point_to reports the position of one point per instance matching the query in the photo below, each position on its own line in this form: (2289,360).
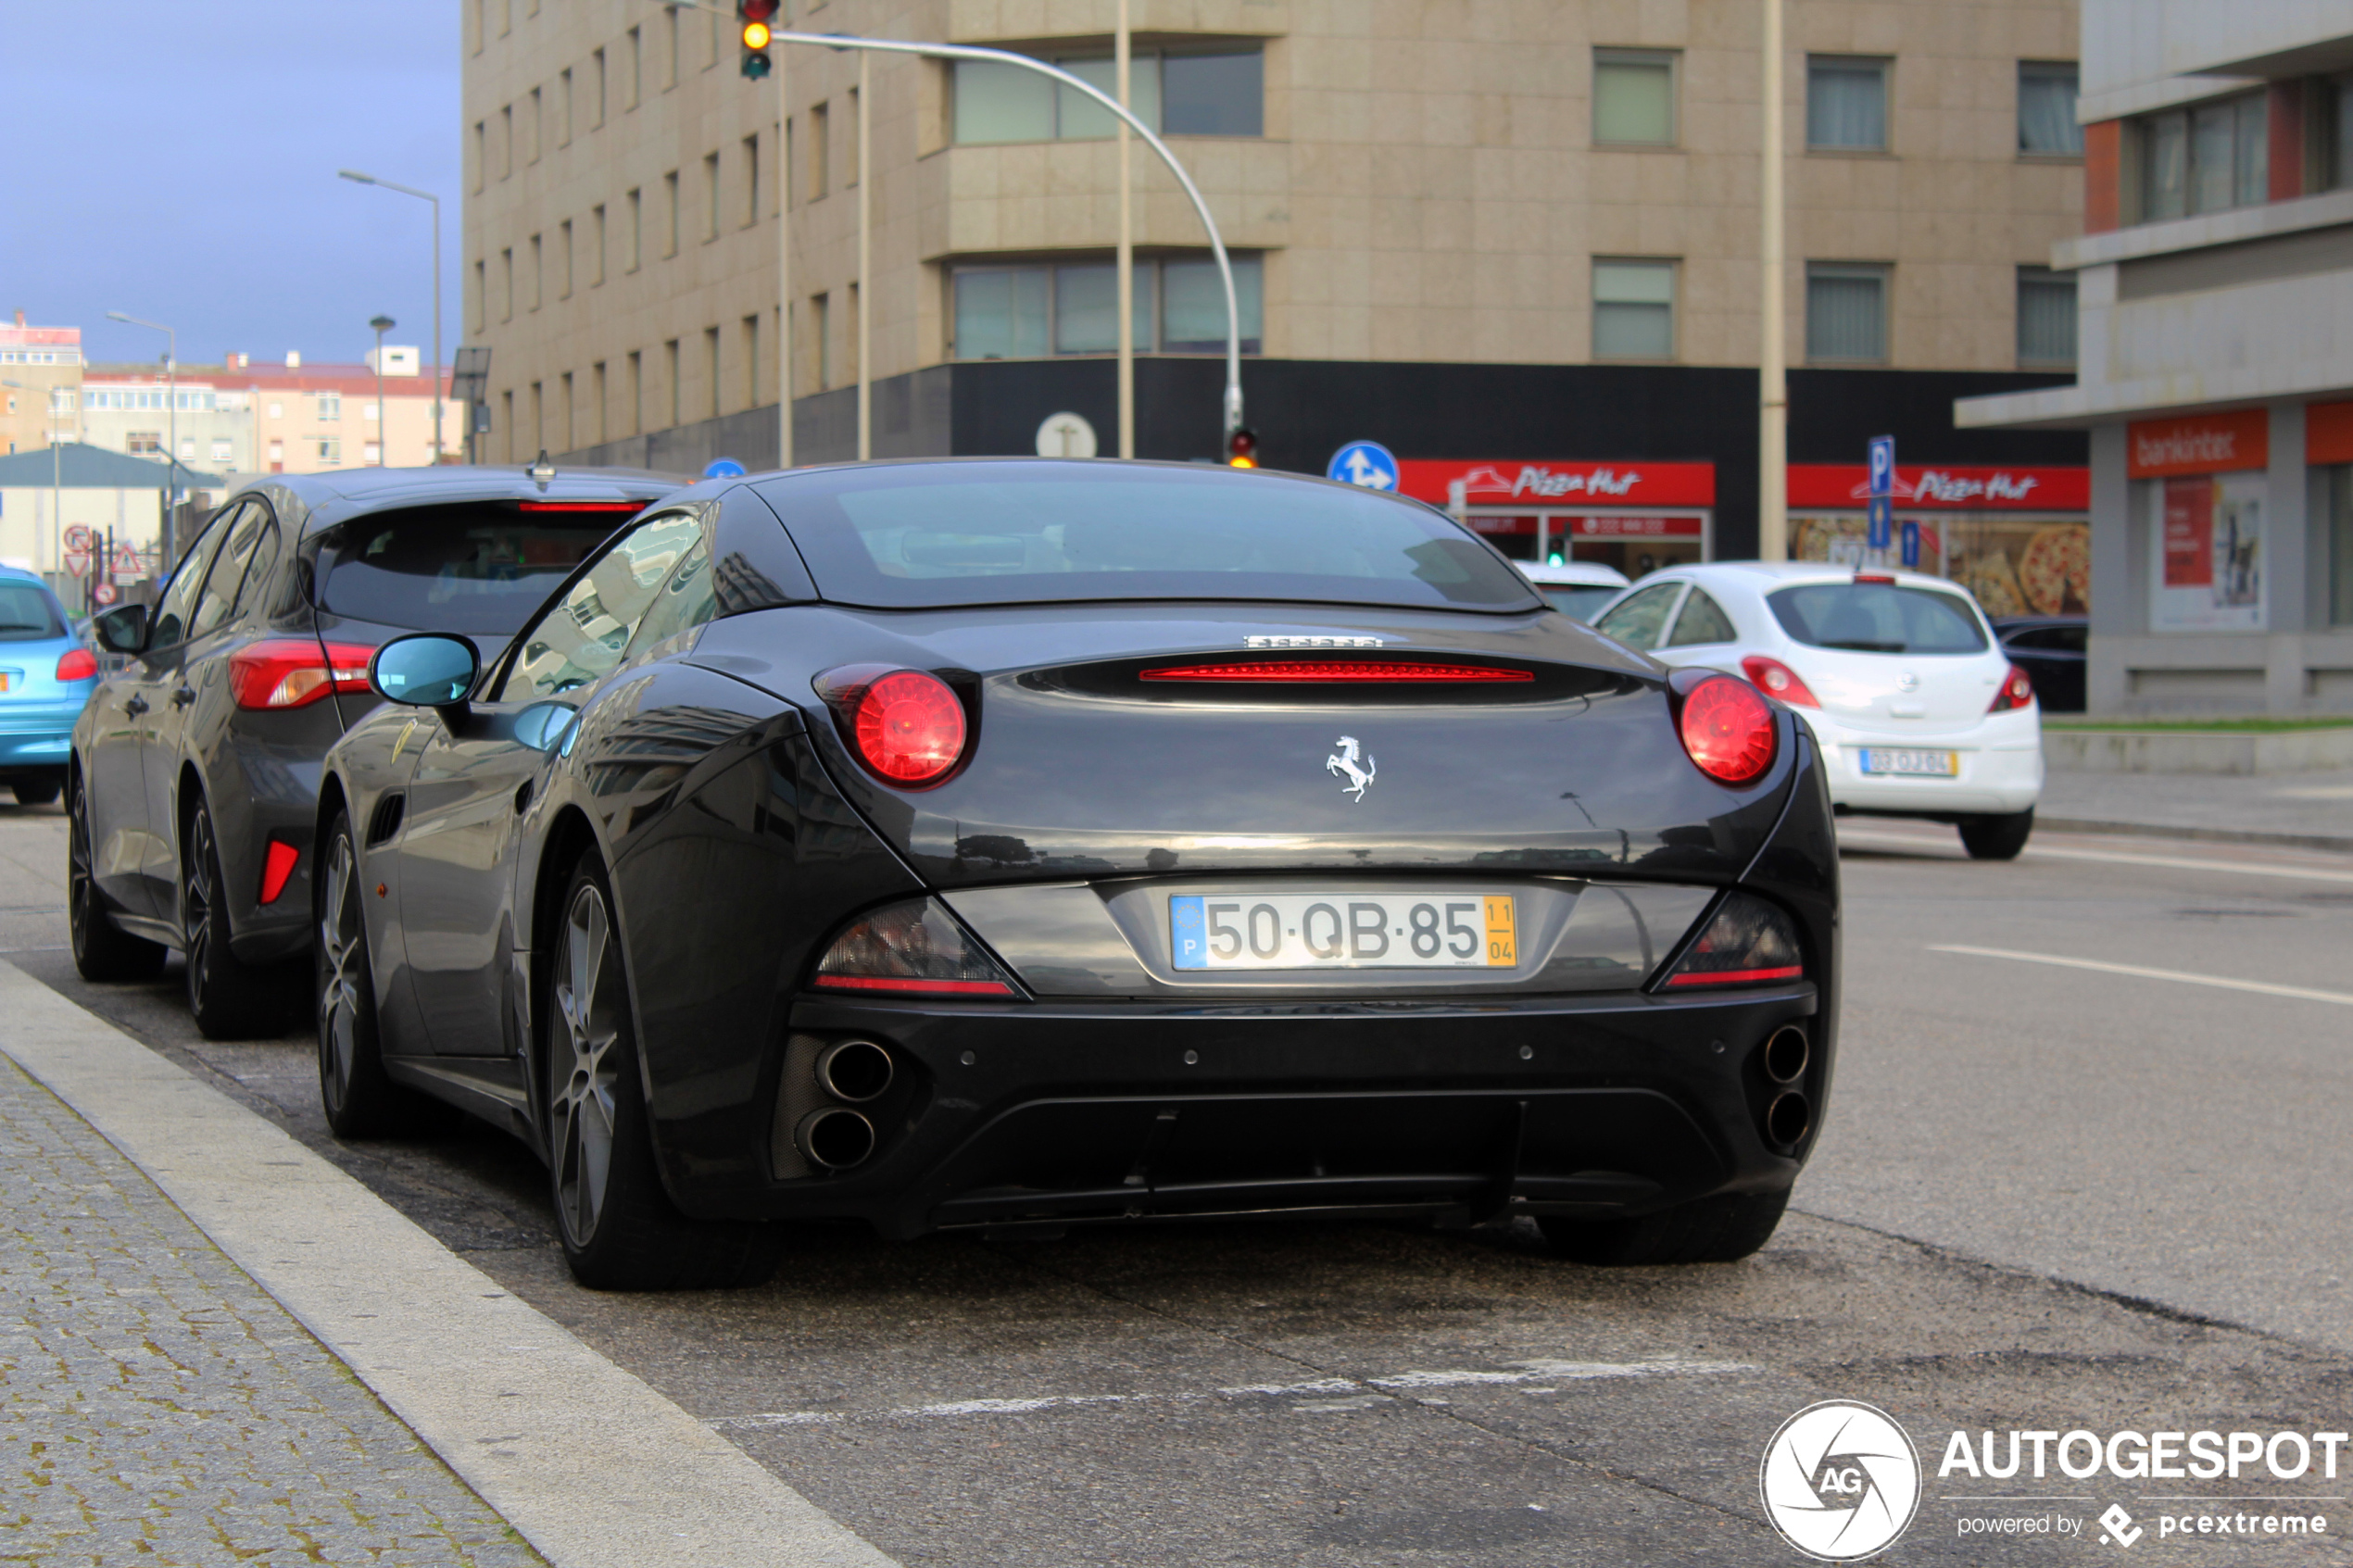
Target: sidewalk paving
(2310,810)
(160,1407)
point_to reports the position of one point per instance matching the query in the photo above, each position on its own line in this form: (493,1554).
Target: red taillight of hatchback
(1728,729)
(2018,691)
(280,672)
(79,664)
(1778,680)
(909,727)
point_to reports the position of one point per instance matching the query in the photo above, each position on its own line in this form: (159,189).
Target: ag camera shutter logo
(1841,1480)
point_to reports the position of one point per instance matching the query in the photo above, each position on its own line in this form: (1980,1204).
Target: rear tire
(361,1101)
(38,790)
(1997,837)
(230,999)
(1707,1230)
(102,952)
(618,1228)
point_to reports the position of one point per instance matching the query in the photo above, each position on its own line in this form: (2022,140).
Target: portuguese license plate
(1313,931)
(1910,760)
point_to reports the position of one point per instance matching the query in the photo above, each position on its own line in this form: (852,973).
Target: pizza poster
(2013,564)
(2209,559)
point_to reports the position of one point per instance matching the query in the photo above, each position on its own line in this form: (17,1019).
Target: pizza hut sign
(1501,482)
(1846,486)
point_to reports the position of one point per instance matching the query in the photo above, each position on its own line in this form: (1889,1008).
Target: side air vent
(386,821)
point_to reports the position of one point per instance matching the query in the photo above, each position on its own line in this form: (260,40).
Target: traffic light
(1241,448)
(755,16)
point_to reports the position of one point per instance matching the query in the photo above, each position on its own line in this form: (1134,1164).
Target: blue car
(46,674)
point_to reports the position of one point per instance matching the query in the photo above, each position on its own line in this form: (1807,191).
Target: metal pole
(172,417)
(783,268)
(1160,149)
(357,178)
(1122,54)
(1772,413)
(866,261)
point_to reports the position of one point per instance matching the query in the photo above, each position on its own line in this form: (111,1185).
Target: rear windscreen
(1015,533)
(26,615)
(1576,599)
(479,567)
(1878,617)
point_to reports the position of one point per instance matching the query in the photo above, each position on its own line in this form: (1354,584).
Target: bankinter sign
(2200,444)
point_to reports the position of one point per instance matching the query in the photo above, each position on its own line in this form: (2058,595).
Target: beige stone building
(1485,232)
(44,366)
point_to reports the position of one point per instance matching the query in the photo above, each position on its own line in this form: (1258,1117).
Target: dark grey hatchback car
(194,780)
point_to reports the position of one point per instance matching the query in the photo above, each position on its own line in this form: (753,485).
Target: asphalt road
(2049,1197)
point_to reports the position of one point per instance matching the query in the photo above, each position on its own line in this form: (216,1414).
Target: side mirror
(545,725)
(122,628)
(424,670)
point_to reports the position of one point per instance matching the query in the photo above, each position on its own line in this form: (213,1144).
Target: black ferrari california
(1013,844)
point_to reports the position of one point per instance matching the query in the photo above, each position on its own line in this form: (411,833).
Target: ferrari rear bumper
(1060,1113)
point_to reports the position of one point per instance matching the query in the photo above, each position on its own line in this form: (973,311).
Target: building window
(1846,313)
(597,89)
(277,455)
(634,240)
(2045,318)
(596,245)
(2336,102)
(1031,312)
(850,155)
(677,399)
(2340,524)
(633,68)
(223,450)
(636,391)
(371,453)
(538,126)
(143,443)
(331,452)
(563,234)
(821,313)
(751,361)
(538,274)
(507,284)
(1219,93)
(481,154)
(330,408)
(820,160)
(670,214)
(711,366)
(563,107)
(1845,104)
(710,197)
(2206,158)
(1633,309)
(670,49)
(2047,125)
(1633,97)
(506,140)
(751,181)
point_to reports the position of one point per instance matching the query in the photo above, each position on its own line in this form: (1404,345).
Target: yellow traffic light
(756,35)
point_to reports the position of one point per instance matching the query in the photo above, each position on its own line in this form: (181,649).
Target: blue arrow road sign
(1367,463)
(1883,519)
(1911,545)
(723,468)
(1882,465)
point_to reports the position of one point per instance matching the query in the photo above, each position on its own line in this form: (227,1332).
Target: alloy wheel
(587,999)
(196,897)
(341,939)
(81,906)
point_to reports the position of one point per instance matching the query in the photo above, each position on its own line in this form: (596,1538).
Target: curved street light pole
(171,399)
(358,179)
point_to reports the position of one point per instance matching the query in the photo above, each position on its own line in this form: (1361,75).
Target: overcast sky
(178,161)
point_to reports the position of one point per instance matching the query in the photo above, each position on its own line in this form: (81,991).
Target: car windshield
(1019,533)
(477,567)
(25,614)
(1878,617)
(1577,599)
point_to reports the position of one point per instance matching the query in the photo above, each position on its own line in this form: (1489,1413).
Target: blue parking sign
(1367,463)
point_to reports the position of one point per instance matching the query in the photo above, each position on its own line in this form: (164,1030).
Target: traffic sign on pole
(1882,520)
(1911,545)
(1882,464)
(1366,463)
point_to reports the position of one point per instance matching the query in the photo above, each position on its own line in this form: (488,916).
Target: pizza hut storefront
(2017,538)
(1636,517)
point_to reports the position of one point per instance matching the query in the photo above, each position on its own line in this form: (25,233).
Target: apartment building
(2215,298)
(44,364)
(240,417)
(1518,243)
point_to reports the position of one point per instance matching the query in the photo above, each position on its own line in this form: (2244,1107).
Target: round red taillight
(910,727)
(79,664)
(1728,728)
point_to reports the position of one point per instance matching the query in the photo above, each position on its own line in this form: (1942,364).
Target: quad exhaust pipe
(834,1139)
(1790,1115)
(854,1070)
(1786,1054)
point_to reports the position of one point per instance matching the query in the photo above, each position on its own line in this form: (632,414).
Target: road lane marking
(1367,1390)
(2109,856)
(2261,987)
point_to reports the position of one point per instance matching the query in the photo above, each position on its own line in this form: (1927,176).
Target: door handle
(184,696)
(135,706)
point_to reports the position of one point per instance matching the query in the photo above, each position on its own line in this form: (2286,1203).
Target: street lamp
(357,178)
(171,400)
(384,324)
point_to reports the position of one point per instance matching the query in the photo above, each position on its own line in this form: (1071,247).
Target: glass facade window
(1030,312)
(2047,125)
(2045,317)
(1846,313)
(1846,103)
(1633,97)
(2206,158)
(1633,309)
(1180,94)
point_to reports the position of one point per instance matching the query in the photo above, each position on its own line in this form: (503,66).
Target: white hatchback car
(1917,710)
(1576,589)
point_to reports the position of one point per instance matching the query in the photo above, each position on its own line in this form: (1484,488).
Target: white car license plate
(1311,931)
(1907,760)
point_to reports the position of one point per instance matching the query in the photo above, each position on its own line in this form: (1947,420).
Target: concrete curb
(593,1467)
(2204,835)
(2211,751)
